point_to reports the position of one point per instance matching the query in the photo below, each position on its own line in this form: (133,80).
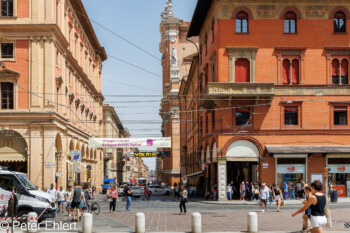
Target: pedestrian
(302,187)
(299,190)
(263,196)
(76,198)
(277,196)
(149,193)
(127,194)
(61,197)
(87,195)
(229,191)
(183,201)
(285,190)
(307,214)
(68,200)
(53,192)
(145,192)
(93,191)
(292,191)
(253,190)
(242,190)
(270,194)
(112,198)
(176,193)
(256,192)
(317,203)
(215,191)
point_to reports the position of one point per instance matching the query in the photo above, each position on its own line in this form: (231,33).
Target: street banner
(75,155)
(152,154)
(129,142)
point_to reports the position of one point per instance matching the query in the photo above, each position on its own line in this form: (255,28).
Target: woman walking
(113,198)
(68,200)
(307,214)
(242,190)
(317,203)
(183,194)
(277,196)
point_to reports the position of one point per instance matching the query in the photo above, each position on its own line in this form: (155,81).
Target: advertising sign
(129,142)
(75,155)
(76,167)
(341,190)
(318,177)
(339,168)
(291,168)
(152,154)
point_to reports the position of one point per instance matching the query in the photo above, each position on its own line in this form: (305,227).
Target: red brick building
(271,95)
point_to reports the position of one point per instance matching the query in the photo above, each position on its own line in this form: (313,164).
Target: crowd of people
(75,198)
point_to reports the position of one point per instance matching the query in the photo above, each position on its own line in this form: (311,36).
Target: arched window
(295,71)
(242,71)
(290,22)
(291,71)
(344,71)
(339,22)
(242,22)
(286,71)
(335,71)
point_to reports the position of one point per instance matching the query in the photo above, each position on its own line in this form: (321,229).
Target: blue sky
(138,22)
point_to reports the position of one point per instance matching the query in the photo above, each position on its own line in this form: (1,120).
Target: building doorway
(239,172)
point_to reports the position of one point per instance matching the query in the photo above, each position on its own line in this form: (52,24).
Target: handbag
(283,203)
(110,199)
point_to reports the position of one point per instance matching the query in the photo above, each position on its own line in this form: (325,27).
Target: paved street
(162,215)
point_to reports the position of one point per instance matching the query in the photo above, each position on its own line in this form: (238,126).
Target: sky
(136,21)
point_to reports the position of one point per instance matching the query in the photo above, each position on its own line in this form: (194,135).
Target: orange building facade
(51,91)
(270,99)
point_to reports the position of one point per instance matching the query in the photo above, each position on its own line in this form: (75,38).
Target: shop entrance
(237,172)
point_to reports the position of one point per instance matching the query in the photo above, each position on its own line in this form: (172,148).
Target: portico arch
(13,151)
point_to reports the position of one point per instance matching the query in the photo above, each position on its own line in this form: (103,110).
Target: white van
(28,197)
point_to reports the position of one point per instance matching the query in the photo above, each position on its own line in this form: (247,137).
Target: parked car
(159,190)
(137,191)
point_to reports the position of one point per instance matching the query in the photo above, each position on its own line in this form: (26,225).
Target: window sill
(340,33)
(242,33)
(291,127)
(290,33)
(7,59)
(8,17)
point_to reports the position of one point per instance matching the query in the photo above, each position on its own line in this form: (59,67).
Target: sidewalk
(342,200)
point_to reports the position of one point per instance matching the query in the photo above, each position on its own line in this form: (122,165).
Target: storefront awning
(12,157)
(307,149)
(200,173)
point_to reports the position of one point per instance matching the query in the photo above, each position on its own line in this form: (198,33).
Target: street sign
(152,154)
(75,155)
(76,167)
(48,165)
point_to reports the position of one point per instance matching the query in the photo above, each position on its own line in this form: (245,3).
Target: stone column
(222,179)
(49,137)
(35,165)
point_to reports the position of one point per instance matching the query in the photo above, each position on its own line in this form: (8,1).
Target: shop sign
(292,168)
(339,168)
(265,165)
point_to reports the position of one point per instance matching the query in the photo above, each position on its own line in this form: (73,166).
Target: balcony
(239,90)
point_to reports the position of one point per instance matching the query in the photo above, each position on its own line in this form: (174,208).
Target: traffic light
(88,171)
(326,172)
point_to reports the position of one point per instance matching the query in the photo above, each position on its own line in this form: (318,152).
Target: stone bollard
(140,223)
(32,222)
(252,223)
(196,223)
(87,223)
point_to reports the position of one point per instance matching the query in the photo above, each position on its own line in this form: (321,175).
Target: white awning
(12,157)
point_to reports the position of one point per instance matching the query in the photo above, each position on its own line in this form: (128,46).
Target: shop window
(290,22)
(291,69)
(242,22)
(7,96)
(339,22)
(242,70)
(340,71)
(291,115)
(340,115)
(242,116)
(7,50)
(6,7)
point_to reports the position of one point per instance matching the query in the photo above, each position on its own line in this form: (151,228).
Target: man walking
(264,195)
(127,194)
(61,197)
(53,192)
(76,198)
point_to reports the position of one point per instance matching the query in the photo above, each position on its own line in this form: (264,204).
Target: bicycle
(93,207)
